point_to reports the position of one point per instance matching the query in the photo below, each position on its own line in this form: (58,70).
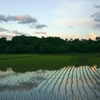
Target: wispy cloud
(8,36)
(12,32)
(3,29)
(97,6)
(97,26)
(19,33)
(40,33)
(86,23)
(96,17)
(40,26)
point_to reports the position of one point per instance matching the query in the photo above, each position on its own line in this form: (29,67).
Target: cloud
(21,19)
(97,6)
(40,26)
(15,31)
(2,18)
(5,35)
(71,27)
(8,36)
(92,36)
(96,17)
(97,26)
(69,36)
(40,33)
(12,34)
(87,22)
(3,30)
(19,33)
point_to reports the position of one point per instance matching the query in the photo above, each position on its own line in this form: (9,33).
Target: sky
(60,18)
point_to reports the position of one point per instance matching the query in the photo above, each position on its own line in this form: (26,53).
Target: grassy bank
(30,62)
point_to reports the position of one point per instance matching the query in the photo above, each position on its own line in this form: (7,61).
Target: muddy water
(82,83)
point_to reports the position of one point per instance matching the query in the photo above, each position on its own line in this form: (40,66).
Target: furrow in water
(72,83)
(59,87)
(62,87)
(93,75)
(96,69)
(58,79)
(85,90)
(96,72)
(47,85)
(52,74)
(91,83)
(45,77)
(77,83)
(97,83)
(69,70)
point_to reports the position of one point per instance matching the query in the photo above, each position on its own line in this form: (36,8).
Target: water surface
(81,83)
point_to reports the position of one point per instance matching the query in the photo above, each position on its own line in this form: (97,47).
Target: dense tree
(24,44)
(98,38)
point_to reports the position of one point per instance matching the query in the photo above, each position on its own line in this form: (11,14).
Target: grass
(30,62)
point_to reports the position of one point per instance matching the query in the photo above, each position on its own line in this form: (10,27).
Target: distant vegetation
(29,45)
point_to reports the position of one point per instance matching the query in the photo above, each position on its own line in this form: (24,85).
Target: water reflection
(82,83)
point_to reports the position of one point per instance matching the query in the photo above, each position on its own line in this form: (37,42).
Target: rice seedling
(33,62)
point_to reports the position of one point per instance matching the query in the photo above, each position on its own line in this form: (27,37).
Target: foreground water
(82,83)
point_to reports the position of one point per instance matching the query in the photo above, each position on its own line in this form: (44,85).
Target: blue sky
(61,18)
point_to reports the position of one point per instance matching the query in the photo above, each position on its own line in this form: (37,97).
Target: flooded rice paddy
(71,83)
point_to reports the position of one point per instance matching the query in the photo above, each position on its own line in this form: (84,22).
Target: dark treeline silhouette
(28,45)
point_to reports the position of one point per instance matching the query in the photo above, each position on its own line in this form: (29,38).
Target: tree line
(31,44)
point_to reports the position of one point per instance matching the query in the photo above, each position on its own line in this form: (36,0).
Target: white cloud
(74,8)
(92,36)
(73,36)
(86,23)
(68,36)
